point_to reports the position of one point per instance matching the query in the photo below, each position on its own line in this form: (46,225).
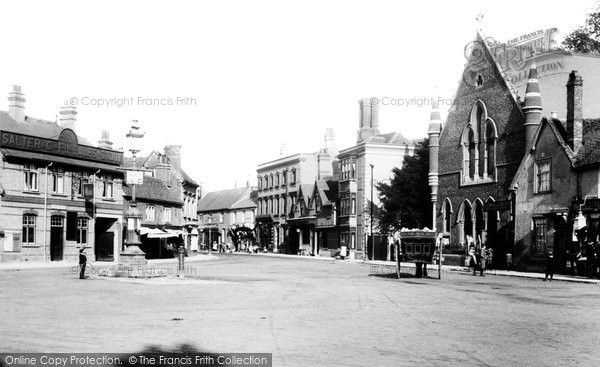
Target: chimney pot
(16,104)
(68,117)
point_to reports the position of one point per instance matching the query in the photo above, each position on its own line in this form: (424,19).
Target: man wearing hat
(82,262)
(549,266)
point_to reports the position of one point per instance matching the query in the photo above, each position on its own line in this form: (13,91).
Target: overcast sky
(254,74)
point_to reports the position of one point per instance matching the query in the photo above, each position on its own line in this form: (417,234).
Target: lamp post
(46,212)
(133,256)
(372,239)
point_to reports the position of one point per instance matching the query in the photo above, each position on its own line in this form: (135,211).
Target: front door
(56,238)
(105,246)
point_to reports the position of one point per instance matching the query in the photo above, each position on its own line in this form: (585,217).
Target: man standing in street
(82,263)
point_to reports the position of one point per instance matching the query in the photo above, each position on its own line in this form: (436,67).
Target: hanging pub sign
(496,206)
(88,191)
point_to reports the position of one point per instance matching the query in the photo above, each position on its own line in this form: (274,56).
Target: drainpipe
(46,212)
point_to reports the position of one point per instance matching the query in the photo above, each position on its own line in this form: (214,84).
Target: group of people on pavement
(480,257)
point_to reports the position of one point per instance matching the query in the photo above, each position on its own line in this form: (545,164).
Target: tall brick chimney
(162,170)
(174,154)
(575,111)
(68,117)
(369,119)
(16,104)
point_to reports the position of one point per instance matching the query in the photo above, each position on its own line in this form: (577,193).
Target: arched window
(479,218)
(478,141)
(465,221)
(447,216)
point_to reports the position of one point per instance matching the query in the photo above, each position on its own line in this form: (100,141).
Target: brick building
(505,176)
(278,186)
(167,200)
(58,192)
(557,185)
(223,211)
(480,148)
(382,152)
(313,219)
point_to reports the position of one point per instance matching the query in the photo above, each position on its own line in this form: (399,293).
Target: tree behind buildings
(585,39)
(406,199)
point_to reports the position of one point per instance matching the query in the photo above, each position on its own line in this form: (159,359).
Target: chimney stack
(104,141)
(16,104)
(283,149)
(369,119)
(174,154)
(163,169)
(575,111)
(68,117)
(329,140)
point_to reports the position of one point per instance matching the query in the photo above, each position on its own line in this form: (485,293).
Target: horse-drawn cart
(417,246)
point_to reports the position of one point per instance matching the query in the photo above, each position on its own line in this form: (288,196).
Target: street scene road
(316,313)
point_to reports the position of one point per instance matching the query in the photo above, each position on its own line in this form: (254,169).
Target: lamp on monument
(133,254)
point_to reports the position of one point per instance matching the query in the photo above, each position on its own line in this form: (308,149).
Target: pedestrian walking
(473,260)
(549,266)
(82,263)
(482,260)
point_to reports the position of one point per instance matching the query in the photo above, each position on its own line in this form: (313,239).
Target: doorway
(56,237)
(105,239)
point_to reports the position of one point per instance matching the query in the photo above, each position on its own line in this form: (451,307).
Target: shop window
(28,237)
(31,177)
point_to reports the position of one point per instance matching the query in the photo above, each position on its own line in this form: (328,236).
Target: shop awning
(156,233)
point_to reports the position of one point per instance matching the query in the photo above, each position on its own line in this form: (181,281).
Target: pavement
(445,268)
(376,263)
(316,313)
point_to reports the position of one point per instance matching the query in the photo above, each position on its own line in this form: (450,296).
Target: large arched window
(478,141)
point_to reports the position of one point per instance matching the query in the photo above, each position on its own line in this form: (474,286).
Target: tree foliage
(585,39)
(406,199)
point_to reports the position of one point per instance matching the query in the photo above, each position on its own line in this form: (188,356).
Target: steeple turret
(532,105)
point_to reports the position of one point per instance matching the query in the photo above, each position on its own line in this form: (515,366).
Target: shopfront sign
(496,206)
(66,145)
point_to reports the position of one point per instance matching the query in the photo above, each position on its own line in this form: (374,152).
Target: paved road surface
(307,313)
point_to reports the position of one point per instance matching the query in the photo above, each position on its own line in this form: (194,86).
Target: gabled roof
(154,189)
(150,161)
(327,191)
(226,200)
(35,127)
(560,134)
(394,138)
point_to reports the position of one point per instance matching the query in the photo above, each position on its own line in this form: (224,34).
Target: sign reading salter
(66,145)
